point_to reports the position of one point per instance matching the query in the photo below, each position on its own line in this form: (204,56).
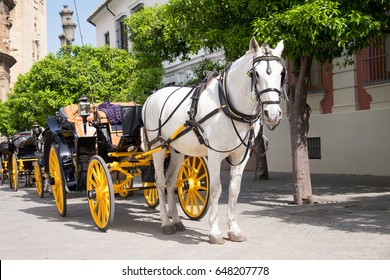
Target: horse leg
(214,166)
(171,175)
(158,162)
(234,232)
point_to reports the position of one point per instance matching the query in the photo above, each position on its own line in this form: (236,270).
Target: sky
(85,8)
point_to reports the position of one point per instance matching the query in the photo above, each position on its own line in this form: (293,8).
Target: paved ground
(351,221)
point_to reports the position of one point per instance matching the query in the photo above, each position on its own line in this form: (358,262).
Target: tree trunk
(259,150)
(299,127)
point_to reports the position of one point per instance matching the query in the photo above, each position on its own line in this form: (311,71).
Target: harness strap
(194,104)
(160,125)
(197,128)
(228,107)
(268,90)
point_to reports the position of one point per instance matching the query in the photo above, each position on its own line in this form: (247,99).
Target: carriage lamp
(35,129)
(84,109)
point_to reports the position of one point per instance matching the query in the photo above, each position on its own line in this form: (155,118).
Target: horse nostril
(266,114)
(280,114)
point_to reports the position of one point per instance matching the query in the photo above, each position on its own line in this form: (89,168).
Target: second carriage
(18,157)
(96,148)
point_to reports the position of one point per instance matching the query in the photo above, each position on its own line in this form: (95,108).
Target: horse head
(267,76)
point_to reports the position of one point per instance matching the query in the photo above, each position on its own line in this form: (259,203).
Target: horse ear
(279,49)
(253,45)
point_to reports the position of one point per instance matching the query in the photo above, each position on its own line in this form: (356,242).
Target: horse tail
(144,140)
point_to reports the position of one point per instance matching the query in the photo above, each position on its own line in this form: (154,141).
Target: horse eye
(257,74)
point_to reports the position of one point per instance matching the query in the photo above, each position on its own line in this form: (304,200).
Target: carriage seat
(72,114)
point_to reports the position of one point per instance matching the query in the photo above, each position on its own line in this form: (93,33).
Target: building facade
(7,60)
(350,120)
(110,30)
(28,35)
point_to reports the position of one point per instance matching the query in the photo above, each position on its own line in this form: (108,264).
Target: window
(314,147)
(137,8)
(376,63)
(316,82)
(121,34)
(107,38)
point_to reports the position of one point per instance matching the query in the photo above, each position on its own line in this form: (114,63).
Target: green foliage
(183,27)
(323,29)
(59,80)
(205,67)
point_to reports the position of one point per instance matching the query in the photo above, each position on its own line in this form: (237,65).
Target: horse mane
(206,80)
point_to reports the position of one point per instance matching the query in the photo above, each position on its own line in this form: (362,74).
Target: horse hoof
(167,230)
(179,226)
(236,237)
(216,239)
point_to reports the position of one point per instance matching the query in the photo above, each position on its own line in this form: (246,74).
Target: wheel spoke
(199,178)
(200,197)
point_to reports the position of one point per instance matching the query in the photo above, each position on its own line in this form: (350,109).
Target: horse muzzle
(272,115)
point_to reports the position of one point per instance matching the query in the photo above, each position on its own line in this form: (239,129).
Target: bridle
(254,79)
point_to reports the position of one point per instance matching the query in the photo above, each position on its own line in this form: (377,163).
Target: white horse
(226,120)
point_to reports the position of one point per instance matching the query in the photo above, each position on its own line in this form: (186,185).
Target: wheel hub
(91,194)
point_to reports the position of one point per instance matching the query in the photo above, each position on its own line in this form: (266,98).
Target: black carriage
(19,157)
(96,148)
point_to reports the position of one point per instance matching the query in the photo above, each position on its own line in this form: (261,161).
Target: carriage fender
(57,137)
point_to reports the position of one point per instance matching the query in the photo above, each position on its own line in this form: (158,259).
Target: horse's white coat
(219,131)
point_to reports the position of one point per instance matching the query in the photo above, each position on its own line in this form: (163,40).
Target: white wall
(105,20)
(355,142)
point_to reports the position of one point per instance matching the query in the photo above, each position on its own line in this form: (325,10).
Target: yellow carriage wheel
(38,179)
(100,192)
(57,180)
(14,176)
(151,194)
(193,187)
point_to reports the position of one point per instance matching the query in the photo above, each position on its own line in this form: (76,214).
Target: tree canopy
(58,80)
(323,29)
(183,27)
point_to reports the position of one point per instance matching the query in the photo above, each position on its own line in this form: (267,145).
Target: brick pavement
(350,221)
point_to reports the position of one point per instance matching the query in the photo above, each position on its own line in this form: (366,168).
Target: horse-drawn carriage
(101,154)
(18,157)
(96,148)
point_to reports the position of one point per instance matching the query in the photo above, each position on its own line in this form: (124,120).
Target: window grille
(376,63)
(314,147)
